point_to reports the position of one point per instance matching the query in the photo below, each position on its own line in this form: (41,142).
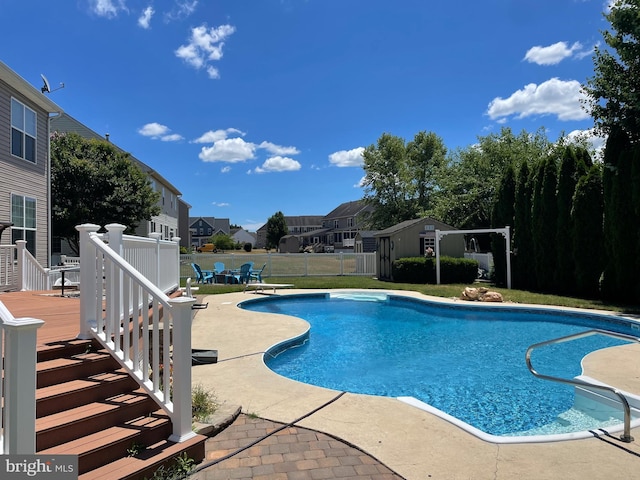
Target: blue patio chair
(257,274)
(218,267)
(244,274)
(203,276)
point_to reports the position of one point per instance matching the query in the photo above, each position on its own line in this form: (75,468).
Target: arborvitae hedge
(522,267)
(423,270)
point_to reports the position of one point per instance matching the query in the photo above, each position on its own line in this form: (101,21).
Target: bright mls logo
(54,467)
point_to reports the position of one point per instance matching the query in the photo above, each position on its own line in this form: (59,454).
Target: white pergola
(502,231)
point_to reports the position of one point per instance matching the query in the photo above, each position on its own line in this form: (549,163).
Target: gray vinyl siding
(21,177)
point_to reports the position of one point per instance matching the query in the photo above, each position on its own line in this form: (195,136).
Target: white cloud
(360,183)
(597,142)
(231,150)
(220,204)
(213,136)
(182,9)
(174,137)
(278,150)
(279,164)
(554,54)
(205,46)
(158,131)
(144,20)
(347,158)
(553,97)
(107,8)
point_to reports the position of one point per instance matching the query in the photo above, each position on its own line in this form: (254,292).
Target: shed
(289,244)
(412,238)
(365,242)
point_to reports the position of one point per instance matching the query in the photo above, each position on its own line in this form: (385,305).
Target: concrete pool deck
(413,443)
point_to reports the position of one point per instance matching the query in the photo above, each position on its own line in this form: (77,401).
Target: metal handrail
(626,436)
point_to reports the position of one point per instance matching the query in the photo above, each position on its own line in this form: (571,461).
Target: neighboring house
(341,225)
(183,223)
(203,228)
(296,225)
(25,164)
(412,238)
(166,222)
(241,236)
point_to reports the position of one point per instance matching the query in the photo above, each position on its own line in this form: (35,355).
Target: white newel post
(182,318)
(20,386)
(115,231)
(177,240)
(90,287)
(157,236)
(21,246)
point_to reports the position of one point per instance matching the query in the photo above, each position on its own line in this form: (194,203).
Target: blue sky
(257,106)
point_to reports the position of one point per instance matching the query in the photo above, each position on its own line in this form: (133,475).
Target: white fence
(485,260)
(286,264)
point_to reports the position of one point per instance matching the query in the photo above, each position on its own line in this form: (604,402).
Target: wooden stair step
(62,396)
(114,442)
(83,420)
(59,349)
(70,368)
(143,465)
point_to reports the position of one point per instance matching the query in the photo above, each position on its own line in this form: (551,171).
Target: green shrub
(248,247)
(423,270)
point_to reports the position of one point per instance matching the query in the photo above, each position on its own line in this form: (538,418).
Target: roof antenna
(46,88)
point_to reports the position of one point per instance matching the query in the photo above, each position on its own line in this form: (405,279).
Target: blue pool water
(466,361)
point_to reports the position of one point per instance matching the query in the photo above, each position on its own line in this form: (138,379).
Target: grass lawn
(447,291)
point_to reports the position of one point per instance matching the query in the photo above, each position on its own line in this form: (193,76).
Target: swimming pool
(464,361)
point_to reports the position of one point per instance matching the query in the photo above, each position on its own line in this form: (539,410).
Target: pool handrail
(626,436)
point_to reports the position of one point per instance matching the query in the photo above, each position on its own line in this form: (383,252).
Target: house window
(336,224)
(350,222)
(23,216)
(23,131)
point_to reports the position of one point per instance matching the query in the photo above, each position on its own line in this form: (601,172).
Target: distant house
(166,222)
(240,235)
(340,226)
(203,228)
(412,238)
(296,225)
(25,208)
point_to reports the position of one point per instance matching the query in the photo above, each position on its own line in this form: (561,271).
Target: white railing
(31,275)
(8,267)
(158,260)
(17,391)
(146,331)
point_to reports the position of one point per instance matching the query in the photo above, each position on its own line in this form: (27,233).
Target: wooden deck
(60,314)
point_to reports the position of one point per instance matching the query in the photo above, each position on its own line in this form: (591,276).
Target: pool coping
(408,440)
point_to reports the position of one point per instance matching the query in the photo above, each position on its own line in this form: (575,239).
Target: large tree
(276,229)
(92,181)
(387,182)
(469,181)
(612,93)
(425,156)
